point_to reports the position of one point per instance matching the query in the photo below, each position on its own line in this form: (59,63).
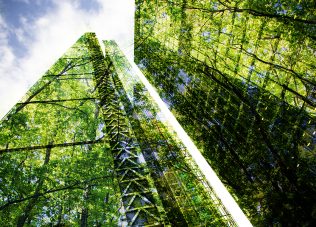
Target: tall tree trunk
(27,210)
(85,211)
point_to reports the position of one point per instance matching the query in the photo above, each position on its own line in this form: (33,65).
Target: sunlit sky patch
(35,33)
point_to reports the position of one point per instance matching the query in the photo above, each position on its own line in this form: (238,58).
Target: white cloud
(7,63)
(51,35)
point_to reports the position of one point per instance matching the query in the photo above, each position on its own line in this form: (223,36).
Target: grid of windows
(240,78)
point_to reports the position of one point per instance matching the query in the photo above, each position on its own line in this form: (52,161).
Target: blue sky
(35,33)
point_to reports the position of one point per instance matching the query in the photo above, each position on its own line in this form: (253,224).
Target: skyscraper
(240,78)
(89,146)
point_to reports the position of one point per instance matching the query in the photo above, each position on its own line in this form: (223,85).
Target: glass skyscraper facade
(88,146)
(240,78)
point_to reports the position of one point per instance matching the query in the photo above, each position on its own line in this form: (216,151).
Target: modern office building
(240,78)
(89,146)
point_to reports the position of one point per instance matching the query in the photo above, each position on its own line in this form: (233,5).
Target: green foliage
(55,169)
(182,188)
(242,85)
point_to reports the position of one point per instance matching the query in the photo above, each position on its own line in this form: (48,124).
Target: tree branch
(76,185)
(50,146)
(54,101)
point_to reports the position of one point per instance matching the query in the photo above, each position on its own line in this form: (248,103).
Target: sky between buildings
(35,33)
